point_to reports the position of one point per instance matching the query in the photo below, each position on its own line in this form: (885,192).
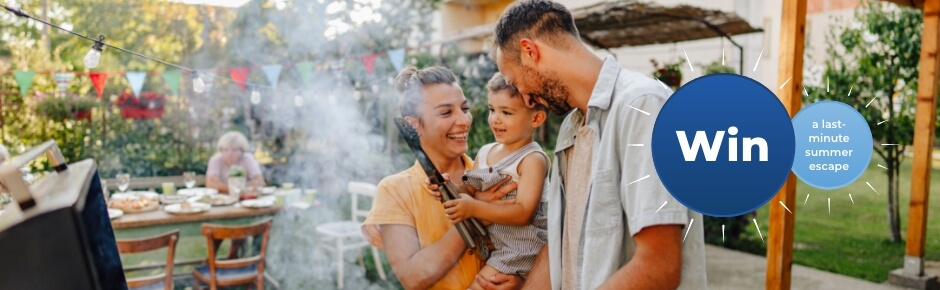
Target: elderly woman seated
(233,150)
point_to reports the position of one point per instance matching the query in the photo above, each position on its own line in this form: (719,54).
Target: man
(612,224)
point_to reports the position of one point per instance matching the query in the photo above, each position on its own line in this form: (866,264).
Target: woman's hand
(460,209)
(435,188)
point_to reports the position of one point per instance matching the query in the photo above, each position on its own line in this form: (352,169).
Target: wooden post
(924,123)
(780,237)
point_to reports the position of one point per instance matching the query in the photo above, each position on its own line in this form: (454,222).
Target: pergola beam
(912,274)
(780,237)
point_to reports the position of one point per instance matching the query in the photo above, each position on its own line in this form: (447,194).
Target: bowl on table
(173,198)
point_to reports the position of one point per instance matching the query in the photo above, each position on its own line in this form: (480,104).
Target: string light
(198,85)
(255,97)
(92,58)
(94,54)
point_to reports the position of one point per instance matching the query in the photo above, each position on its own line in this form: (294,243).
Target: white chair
(339,237)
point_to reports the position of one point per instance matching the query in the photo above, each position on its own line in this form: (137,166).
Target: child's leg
(486,273)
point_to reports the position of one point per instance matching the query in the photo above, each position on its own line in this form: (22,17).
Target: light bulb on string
(298,101)
(255,97)
(198,85)
(94,54)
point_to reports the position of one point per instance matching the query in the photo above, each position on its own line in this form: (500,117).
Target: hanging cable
(90,58)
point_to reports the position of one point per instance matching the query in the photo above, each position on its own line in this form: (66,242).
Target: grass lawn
(854,239)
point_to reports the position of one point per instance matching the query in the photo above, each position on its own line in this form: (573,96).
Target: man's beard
(555,95)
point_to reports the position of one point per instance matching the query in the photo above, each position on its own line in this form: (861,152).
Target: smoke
(319,133)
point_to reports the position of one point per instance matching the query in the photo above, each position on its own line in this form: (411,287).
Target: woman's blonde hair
(233,139)
(411,80)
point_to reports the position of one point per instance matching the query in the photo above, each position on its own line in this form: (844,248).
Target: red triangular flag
(369,62)
(98,79)
(240,75)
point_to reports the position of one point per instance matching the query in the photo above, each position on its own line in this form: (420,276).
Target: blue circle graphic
(723,145)
(833,145)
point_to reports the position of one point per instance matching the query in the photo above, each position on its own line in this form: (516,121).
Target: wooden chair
(160,281)
(240,271)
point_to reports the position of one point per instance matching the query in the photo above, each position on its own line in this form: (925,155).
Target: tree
(872,65)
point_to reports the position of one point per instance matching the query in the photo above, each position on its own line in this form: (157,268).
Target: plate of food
(216,199)
(257,203)
(173,198)
(187,208)
(114,213)
(197,191)
(135,201)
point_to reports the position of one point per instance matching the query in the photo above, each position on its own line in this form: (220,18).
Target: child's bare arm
(532,172)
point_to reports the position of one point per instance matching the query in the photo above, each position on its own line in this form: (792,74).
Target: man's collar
(604,87)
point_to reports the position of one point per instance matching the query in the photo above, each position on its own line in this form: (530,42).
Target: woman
(422,246)
(233,150)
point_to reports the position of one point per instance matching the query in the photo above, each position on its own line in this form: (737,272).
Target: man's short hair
(535,19)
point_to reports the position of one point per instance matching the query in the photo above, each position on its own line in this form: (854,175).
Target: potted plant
(668,73)
(148,105)
(237,178)
(81,108)
(60,109)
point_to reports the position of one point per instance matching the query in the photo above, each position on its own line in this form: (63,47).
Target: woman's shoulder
(215,158)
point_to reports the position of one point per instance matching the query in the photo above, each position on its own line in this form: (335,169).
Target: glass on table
(123,181)
(189,179)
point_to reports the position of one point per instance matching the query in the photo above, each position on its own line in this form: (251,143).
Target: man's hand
(460,209)
(500,282)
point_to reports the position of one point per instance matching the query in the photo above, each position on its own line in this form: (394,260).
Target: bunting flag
(240,75)
(273,72)
(172,79)
(305,69)
(208,77)
(136,79)
(338,64)
(62,80)
(397,56)
(369,62)
(25,80)
(98,79)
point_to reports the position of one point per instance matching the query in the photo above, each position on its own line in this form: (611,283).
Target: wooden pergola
(792,34)
(633,23)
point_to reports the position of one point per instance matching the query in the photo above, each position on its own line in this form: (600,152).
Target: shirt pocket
(604,211)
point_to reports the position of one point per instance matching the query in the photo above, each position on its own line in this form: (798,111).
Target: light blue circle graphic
(833,145)
(723,145)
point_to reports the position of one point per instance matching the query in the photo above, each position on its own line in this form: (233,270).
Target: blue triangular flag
(398,57)
(136,79)
(273,72)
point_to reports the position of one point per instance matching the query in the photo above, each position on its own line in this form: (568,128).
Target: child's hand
(460,209)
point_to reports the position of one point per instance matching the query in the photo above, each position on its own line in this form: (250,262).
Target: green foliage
(715,67)
(60,109)
(872,65)
(237,171)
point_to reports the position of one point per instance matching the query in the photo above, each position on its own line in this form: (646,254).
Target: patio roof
(619,23)
(634,23)
(919,4)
